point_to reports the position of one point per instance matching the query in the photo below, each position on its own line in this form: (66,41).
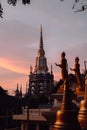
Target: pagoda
(40,80)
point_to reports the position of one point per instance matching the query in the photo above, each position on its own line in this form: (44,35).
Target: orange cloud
(9,64)
(11,84)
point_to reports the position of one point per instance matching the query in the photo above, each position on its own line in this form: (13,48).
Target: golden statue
(63,66)
(76,69)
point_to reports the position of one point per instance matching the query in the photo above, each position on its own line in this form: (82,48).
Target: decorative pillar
(82,115)
(66,117)
(23,125)
(37,126)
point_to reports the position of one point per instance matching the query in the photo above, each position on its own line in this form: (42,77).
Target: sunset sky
(63,30)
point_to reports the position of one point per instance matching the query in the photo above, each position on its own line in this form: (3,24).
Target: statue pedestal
(66,120)
(82,115)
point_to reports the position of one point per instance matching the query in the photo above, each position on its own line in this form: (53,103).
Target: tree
(12,2)
(1,10)
(82,3)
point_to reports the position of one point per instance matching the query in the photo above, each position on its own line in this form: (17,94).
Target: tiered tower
(40,80)
(41,60)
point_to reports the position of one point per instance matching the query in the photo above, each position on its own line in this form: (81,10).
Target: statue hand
(71,69)
(56,64)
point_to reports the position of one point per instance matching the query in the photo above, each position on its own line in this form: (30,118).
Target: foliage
(79,5)
(82,5)
(12,2)
(1,10)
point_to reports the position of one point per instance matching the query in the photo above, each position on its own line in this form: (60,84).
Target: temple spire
(41,38)
(41,61)
(41,51)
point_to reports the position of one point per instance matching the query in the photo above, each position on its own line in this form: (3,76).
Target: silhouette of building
(40,80)
(40,88)
(18,93)
(9,105)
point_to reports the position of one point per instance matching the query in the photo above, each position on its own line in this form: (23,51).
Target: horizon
(63,30)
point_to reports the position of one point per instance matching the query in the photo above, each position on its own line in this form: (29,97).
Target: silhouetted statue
(76,69)
(63,66)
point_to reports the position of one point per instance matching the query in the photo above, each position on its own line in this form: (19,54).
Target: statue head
(63,54)
(77,59)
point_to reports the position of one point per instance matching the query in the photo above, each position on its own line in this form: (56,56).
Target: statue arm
(58,65)
(72,69)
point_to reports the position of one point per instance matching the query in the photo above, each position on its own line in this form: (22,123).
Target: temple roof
(7,100)
(41,60)
(3,91)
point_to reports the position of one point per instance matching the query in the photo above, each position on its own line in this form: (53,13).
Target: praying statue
(76,69)
(63,66)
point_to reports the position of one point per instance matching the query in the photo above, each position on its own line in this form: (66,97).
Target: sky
(63,30)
